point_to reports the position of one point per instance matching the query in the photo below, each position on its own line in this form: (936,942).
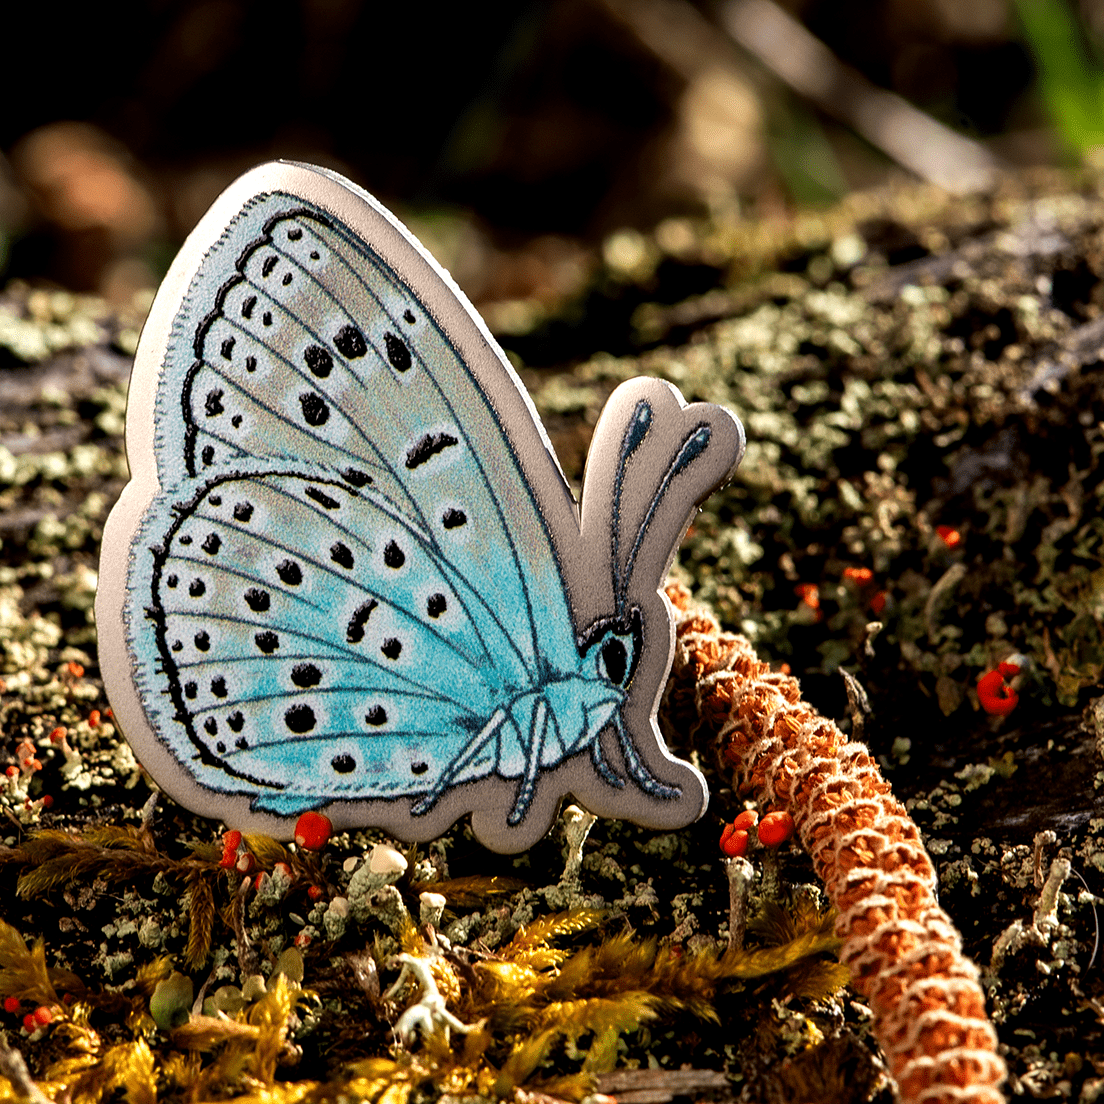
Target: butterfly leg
(488,733)
(538,730)
(640,773)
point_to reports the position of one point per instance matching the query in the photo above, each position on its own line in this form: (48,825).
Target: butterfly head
(613,647)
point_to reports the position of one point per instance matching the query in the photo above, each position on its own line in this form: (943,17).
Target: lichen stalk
(903,951)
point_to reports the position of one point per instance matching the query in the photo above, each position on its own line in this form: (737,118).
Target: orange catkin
(904,953)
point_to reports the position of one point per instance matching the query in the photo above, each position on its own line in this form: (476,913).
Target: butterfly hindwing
(328,656)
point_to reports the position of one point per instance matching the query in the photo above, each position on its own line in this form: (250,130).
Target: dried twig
(904,953)
(913,139)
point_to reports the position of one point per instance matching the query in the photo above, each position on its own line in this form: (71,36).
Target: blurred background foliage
(515,136)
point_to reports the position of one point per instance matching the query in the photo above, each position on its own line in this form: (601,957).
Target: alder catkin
(904,953)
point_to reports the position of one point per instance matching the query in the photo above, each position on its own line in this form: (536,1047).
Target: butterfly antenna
(538,729)
(692,447)
(635,433)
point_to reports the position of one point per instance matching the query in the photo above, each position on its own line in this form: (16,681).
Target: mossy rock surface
(921,384)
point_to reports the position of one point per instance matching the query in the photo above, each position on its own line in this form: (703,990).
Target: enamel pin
(347,573)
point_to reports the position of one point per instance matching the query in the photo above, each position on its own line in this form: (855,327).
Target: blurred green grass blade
(1071,79)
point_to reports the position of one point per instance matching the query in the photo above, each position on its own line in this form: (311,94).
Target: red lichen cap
(809,593)
(231,841)
(734,841)
(313,830)
(746,820)
(775,829)
(12,1004)
(860,576)
(995,697)
(949,535)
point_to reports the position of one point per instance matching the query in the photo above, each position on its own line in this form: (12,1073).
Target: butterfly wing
(288,365)
(347,571)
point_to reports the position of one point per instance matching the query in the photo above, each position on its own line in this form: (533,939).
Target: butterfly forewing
(311,349)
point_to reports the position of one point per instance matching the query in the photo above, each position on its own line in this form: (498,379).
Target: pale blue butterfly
(348,573)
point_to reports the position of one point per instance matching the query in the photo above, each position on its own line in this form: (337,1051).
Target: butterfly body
(348,573)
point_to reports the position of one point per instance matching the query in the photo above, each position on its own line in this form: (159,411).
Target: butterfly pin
(348,574)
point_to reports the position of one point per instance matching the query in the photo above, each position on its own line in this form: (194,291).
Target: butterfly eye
(613,660)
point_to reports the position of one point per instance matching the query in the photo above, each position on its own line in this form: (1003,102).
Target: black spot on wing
(427,447)
(257,600)
(211,544)
(318,360)
(243,511)
(350,343)
(340,554)
(376,716)
(267,641)
(408,315)
(207,456)
(213,403)
(323,499)
(247,307)
(289,572)
(269,264)
(392,648)
(218,686)
(397,352)
(236,721)
(227,348)
(343,764)
(190,690)
(356,477)
(354,631)
(453,519)
(305,675)
(436,605)
(300,718)
(393,555)
(202,641)
(315,411)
